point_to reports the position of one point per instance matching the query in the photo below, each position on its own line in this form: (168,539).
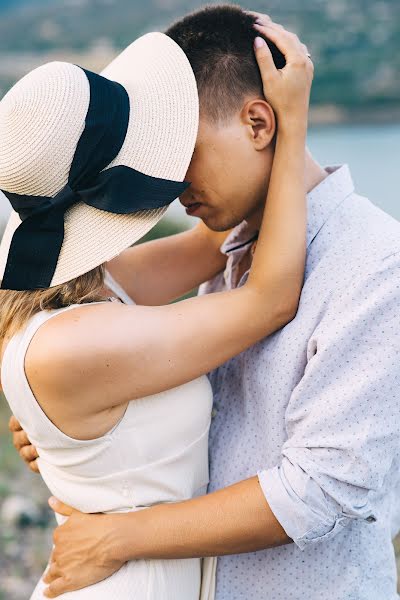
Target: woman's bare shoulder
(67,369)
(70,341)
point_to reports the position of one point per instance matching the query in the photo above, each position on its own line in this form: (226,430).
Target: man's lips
(192,208)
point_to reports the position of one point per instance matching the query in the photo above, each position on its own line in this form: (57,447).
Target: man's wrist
(125,538)
(230,521)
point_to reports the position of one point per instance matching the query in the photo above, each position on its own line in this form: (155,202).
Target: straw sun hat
(90,163)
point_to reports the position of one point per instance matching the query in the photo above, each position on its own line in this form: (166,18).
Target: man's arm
(233,520)
(343,416)
(90,548)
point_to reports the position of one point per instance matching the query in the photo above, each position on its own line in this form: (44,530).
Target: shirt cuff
(306,514)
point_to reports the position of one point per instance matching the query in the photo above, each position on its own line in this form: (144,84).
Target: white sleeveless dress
(157,452)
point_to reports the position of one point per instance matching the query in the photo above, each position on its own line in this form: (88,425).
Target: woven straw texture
(43,117)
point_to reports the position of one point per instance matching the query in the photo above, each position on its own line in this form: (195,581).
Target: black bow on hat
(37,242)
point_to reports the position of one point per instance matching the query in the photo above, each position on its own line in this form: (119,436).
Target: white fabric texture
(157,452)
(315,409)
(116,289)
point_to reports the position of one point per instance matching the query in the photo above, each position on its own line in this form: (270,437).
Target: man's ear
(260,119)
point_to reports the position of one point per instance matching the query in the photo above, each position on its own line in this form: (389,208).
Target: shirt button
(214,413)
(371,519)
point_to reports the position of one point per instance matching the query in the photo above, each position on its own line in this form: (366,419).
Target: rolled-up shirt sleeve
(343,417)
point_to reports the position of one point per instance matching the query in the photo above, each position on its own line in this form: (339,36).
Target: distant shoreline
(15,65)
(336,115)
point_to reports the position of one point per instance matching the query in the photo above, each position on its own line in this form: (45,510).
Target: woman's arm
(115,353)
(158,272)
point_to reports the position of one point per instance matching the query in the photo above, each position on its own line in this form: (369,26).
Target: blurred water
(373,154)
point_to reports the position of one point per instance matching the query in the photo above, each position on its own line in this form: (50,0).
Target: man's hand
(23,445)
(78,557)
(90,548)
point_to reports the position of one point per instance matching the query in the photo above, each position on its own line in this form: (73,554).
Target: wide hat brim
(161,136)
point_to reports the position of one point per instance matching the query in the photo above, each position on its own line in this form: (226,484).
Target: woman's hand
(287,89)
(23,445)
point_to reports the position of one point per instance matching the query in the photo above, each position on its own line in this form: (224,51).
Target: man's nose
(187,194)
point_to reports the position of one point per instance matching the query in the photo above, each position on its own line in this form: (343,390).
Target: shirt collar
(322,201)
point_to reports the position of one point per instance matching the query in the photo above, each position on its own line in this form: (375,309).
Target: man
(307,420)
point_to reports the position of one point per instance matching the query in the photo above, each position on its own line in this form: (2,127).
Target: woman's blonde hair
(16,308)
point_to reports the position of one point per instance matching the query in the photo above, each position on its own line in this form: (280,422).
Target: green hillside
(355,43)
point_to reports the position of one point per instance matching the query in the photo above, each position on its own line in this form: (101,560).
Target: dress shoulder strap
(118,290)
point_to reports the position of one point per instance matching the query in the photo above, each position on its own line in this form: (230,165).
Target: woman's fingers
(288,43)
(288,37)
(20,439)
(264,59)
(28,453)
(279,35)
(259,17)
(265,62)
(34,466)
(265,20)
(14,424)
(287,89)
(23,445)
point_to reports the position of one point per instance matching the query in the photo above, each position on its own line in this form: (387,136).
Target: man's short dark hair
(218,41)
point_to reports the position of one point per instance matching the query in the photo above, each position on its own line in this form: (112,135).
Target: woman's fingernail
(259,42)
(52,501)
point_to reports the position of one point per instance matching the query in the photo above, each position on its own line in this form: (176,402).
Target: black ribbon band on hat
(37,242)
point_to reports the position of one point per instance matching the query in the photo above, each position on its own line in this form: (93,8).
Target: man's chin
(218,225)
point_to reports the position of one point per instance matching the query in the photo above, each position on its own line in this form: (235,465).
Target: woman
(115,397)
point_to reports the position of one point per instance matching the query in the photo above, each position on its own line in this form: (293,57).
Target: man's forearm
(234,520)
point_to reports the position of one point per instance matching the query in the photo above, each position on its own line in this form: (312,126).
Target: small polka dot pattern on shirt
(315,410)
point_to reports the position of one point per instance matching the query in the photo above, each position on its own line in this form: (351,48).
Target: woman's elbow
(287,307)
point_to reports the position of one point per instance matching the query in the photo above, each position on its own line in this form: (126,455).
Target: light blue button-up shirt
(315,410)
